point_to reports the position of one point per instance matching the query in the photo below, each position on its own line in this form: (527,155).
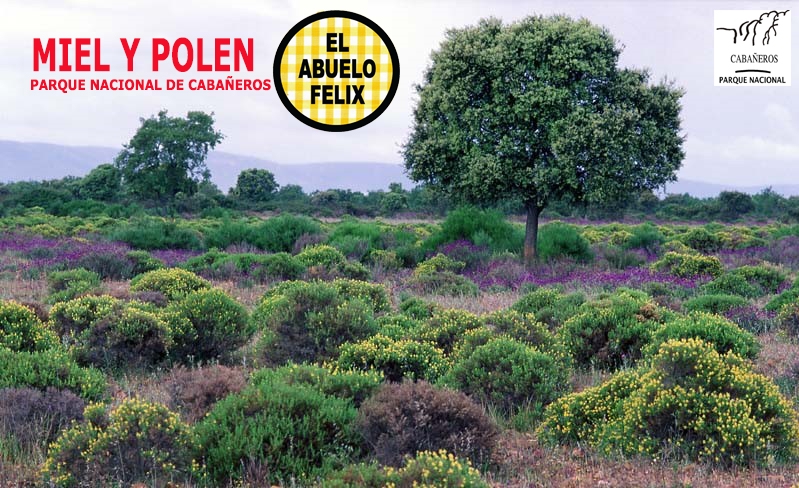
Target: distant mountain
(21,161)
(39,161)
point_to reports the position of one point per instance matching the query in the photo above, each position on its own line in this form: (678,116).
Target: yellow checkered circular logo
(336,71)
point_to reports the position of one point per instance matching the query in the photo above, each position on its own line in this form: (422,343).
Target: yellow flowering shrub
(321,255)
(134,442)
(438,263)
(172,282)
(716,330)
(686,265)
(71,318)
(21,329)
(687,401)
(435,470)
(445,328)
(396,359)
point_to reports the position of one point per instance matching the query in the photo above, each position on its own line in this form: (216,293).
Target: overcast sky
(735,136)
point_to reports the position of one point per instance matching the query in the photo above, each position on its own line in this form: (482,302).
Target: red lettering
(240,53)
(200,65)
(81,53)
(219,53)
(158,54)
(130,51)
(41,54)
(176,58)
(64,66)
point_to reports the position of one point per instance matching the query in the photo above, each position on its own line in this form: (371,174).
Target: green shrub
(549,306)
(443,283)
(767,278)
(21,329)
(418,308)
(732,284)
(610,332)
(644,236)
(355,386)
(522,327)
(702,240)
(438,263)
(557,240)
(687,265)
(280,234)
(281,265)
(689,402)
(308,321)
(71,318)
(436,469)
(356,239)
(129,338)
(395,358)
(355,270)
(321,255)
(173,283)
(778,302)
(155,233)
(445,328)
(717,331)
(218,325)
(483,227)
(714,303)
(143,262)
(509,375)
(230,232)
(66,285)
(386,260)
(295,430)
(788,318)
(51,368)
(134,442)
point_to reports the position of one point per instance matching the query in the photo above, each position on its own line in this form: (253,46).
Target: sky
(734,135)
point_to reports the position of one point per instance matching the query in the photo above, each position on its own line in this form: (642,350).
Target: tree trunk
(531,235)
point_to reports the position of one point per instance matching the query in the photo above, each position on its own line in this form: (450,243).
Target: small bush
(194,391)
(282,266)
(229,233)
(714,303)
(778,302)
(128,338)
(557,240)
(437,469)
(218,325)
(295,430)
(610,333)
(689,402)
(153,234)
(484,227)
(322,255)
(109,265)
(687,265)
(143,262)
(702,240)
(53,368)
(717,331)
(418,308)
(279,234)
(766,278)
(308,321)
(70,319)
(550,306)
(522,327)
(31,419)
(66,285)
(395,358)
(732,284)
(135,441)
(438,263)
(509,374)
(788,318)
(402,419)
(355,386)
(645,236)
(445,328)
(385,260)
(21,329)
(172,282)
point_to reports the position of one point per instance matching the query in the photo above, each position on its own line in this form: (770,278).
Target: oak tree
(539,110)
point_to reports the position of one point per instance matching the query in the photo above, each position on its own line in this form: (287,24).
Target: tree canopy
(167,155)
(539,110)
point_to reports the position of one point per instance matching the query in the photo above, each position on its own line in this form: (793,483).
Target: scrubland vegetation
(296,352)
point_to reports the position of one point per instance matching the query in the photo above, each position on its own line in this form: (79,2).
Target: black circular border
(346,15)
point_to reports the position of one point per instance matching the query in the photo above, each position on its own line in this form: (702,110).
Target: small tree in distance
(167,156)
(538,110)
(255,186)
